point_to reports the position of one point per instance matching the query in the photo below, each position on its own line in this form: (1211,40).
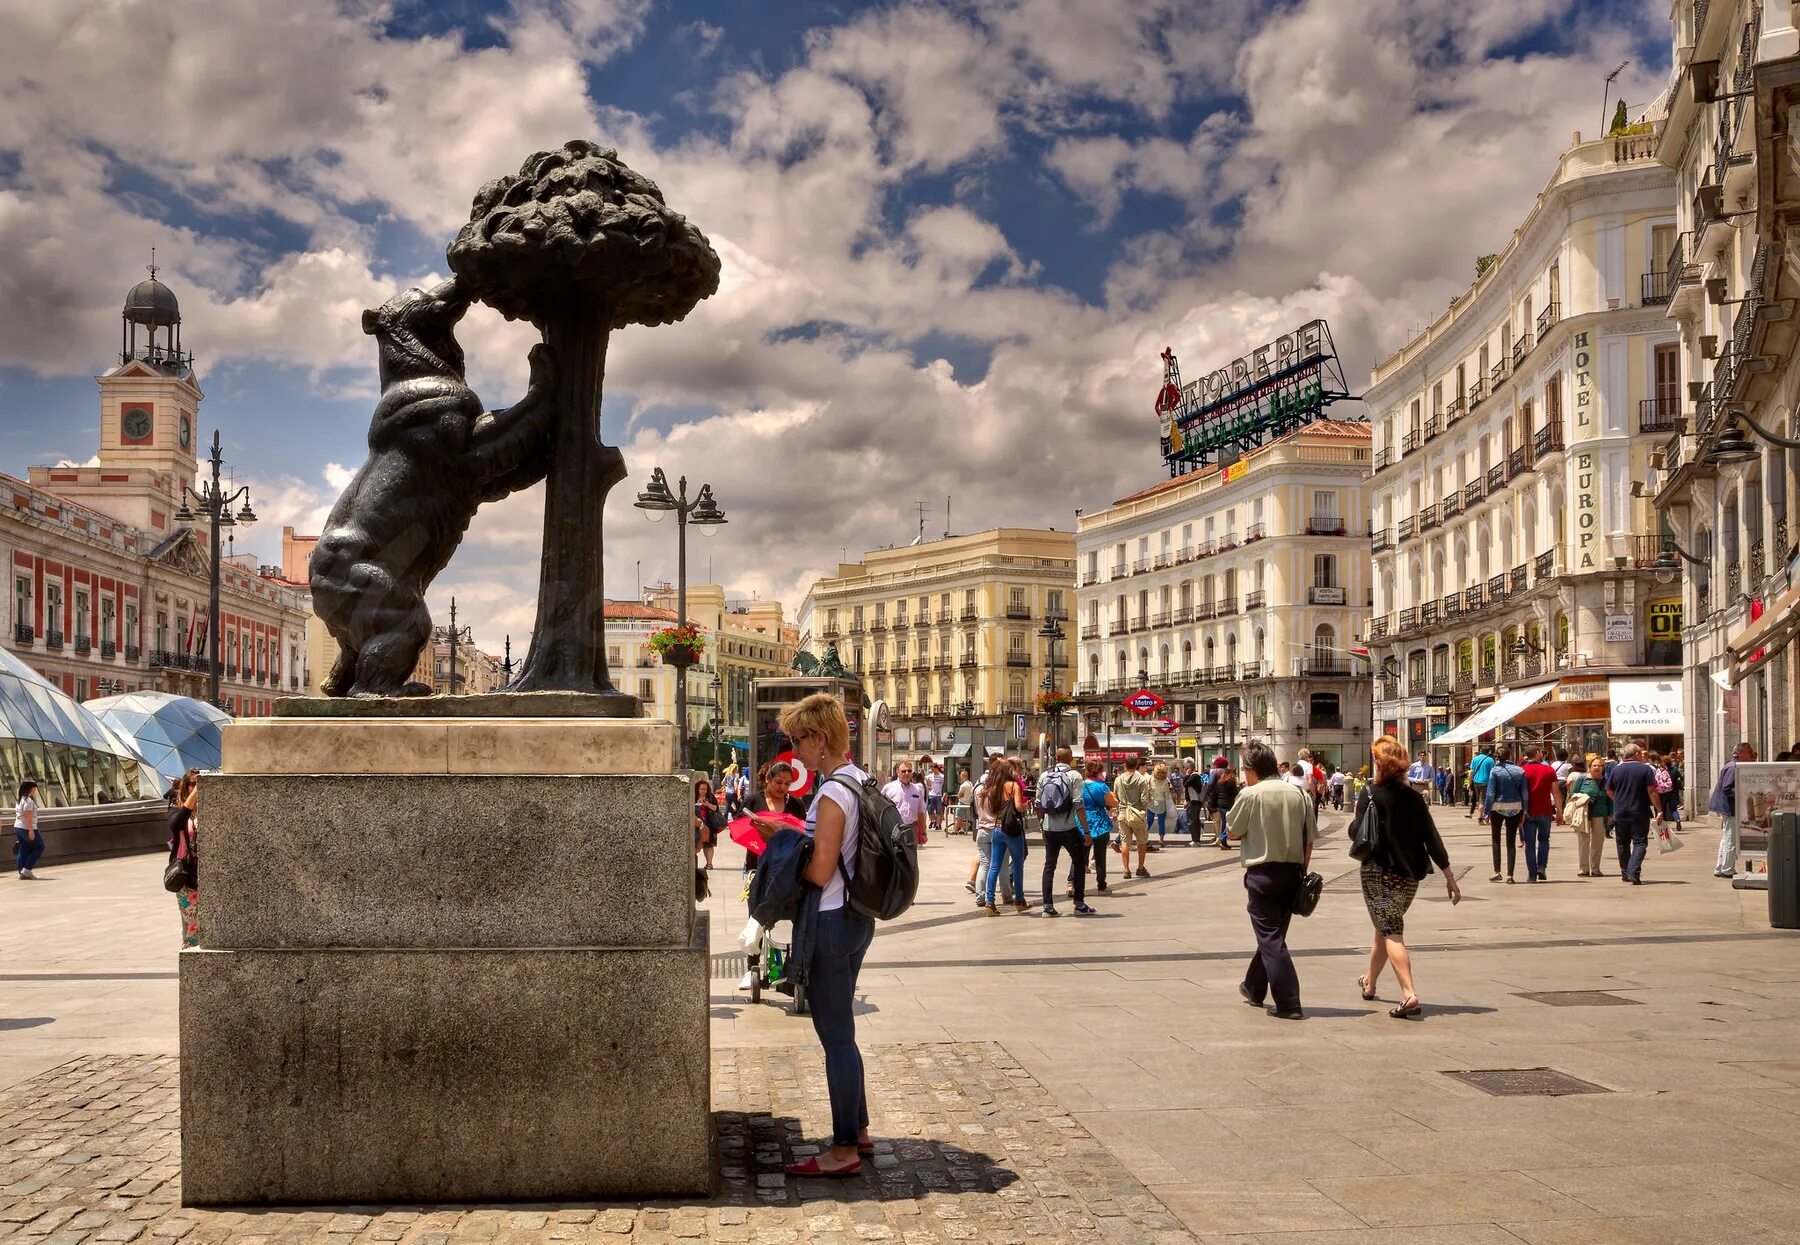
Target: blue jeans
(1633,836)
(1156,823)
(27,851)
(1536,833)
(843,937)
(1000,847)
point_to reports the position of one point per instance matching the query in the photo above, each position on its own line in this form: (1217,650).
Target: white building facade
(1513,562)
(1237,595)
(1733,277)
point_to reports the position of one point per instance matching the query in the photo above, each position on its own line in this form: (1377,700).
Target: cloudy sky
(955,235)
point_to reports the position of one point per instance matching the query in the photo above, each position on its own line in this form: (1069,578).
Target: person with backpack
(1481,767)
(1058,792)
(1393,834)
(1003,799)
(1504,792)
(820,734)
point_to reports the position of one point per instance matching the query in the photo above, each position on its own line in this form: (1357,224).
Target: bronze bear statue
(434,457)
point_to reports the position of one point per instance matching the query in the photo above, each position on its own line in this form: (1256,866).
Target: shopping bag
(1667,840)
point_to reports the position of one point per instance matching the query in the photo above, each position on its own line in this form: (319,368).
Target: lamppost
(213,502)
(715,726)
(1051,632)
(506,665)
(454,635)
(704,513)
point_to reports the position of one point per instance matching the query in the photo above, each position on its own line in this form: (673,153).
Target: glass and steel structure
(76,758)
(173,733)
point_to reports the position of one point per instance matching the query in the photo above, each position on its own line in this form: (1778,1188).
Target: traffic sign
(1144,702)
(1166,726)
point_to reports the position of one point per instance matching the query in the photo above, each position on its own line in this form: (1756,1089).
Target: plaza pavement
(1078,1079)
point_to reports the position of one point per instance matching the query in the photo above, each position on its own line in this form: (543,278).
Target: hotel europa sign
(1265,394)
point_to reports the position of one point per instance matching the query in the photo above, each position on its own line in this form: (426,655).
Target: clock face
(135,425)
(187,432)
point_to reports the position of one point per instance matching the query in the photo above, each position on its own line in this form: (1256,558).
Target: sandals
(1410,1008)
(810,1167)
(1362,983)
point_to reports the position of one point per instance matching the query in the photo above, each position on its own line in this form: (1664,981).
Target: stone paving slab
(973,1148)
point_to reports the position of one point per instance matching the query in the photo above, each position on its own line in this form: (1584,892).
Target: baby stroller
(766,954)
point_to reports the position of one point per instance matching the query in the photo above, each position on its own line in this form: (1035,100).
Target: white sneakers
(26,875)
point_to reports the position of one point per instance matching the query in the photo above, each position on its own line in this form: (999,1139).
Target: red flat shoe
(811,1168)
(867,1150)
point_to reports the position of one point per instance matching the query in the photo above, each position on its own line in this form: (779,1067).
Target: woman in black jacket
(1408,846)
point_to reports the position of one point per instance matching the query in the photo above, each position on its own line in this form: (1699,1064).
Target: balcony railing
(23,634)
(53,639)
(1140,623)
(1518,462)
(1521,348)
(1204,611)
(1416,684)
(1428,518)
(1183,614)
(1654,288)
(1519,580)
(1015,609)
(1018,659)
(1326,525)
(1384,457)
(1428,614)
(1378,628)
(1659,414)
(1380,540)
(1496,589)
(1465,681)
(1434,424)
(1478,392)
(1497,373)
(1681,268)
(1440,682)
(1407,527)
(1256,531)
(1254,599)
(831,631)
(1456,410)
(1474,492)
(132,652)
(970,613)
(108,650)
(1551,313)
(1387,689)
(1139,566)
(1329,666)
(1496,479)
(1090,631)
(880,624)
(1544,566)
(1226,608)
(1547,440)
(1452,506)
(1452,604)
(1487,674)
(83,645)
(1409,618)
(1756,562)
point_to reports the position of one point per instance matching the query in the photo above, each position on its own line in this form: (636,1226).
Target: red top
(1540,786)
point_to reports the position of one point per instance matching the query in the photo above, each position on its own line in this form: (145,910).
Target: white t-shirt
(1298,773)
(26,805)
(935,783)
(845,798)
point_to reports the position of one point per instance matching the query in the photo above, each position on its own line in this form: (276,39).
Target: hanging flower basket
(1052,702)
(678,646)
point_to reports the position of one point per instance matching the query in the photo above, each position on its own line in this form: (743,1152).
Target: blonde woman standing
(1156,813)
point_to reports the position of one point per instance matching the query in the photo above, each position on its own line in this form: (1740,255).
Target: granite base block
(359,1077)
(614,704)
(395,861)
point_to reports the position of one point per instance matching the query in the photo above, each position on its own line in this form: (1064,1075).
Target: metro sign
(1166,726)
(1144,702)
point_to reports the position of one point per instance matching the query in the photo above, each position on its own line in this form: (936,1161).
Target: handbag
(1366,835)
(1012,821)
(182,872)
(1306,898)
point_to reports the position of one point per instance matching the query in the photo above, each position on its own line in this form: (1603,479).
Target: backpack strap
(855,794)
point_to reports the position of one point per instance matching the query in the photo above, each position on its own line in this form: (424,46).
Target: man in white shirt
(1419,775)
(909,797)
(934,796)
(1300,773)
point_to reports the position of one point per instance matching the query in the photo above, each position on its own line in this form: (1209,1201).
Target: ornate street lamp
(704,513)
(453,635)
(213,503)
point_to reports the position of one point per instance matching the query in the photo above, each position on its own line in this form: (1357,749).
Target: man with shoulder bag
(1276,826)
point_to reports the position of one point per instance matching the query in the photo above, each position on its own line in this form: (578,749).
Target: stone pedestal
(445,960)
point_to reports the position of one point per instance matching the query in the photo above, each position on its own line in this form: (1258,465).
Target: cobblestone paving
(970,1148)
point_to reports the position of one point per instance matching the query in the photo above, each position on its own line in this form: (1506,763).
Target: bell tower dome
(149,399)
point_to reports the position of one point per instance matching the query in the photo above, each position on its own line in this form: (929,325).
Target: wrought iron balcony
(1473,492)
(1681,268)
(1384,457)
(1428,614)
(23,634)
(1015,609)
(1451,506)
(1487,674)
(1518,462)
(831,631)
(1203,611)
(1410,442)
(1496,589)
(83,645)
(1497,373)
(1551,313)
(1256,531)
(1416,685)
(1160,618)
(1139,566)
(1409,618)
(1521,348)
(1255,599)
(1654,289)
(1458,407)
(1380,540)
(108,650)
(1089,578)
(1519,581)
(1478,392)
(1544,566)
(1428,518)
(1546,441)
(1226,608)
(1329,667)
(1018,659)
(1756,562)
(1183,614)
(1407,527)
(1659,414)
(1378,628)
(1090,631)
(132,652)
(970,613)
(1387,689)
(53,639)
(1452,604)
(1496,479)
(1465,681)
(1434,424)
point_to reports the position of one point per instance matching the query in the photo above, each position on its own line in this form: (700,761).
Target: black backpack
(887,855)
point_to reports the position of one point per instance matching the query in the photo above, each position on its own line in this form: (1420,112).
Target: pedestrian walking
(1632,786)
(1405,850)
(1133,789)
(934,796)
(1480,767)
(908,796)
(1059,794)
(1724,803)
(1276,825)
(963,823)
(1156,812)
(820,736)
(984,839)
(1004,801)
(28,839)
(1587,809)
(708,819)
(1094,815)
(184,803)
(1221,797)
(1542,810)
(1677,785)
(1503,805)
(1337,788)
(1418,776)
(1193,791)
(1665,787)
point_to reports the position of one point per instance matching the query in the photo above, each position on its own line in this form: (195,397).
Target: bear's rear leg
(385,662)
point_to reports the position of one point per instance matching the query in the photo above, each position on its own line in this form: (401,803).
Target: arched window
(1324,645)
(1094,669)
(1187,658)
(1231,652)
(1262,653)
(1015,690)
(1163,663)
(1206,654)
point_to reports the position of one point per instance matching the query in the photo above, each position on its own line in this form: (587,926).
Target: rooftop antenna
(920,538)
(1606,97)
(153,263)
(946,516)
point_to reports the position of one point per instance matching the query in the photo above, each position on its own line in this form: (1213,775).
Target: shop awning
(1646,707)
(1494,716)
(1770,633)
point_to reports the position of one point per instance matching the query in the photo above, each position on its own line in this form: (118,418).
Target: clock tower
(149,436)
